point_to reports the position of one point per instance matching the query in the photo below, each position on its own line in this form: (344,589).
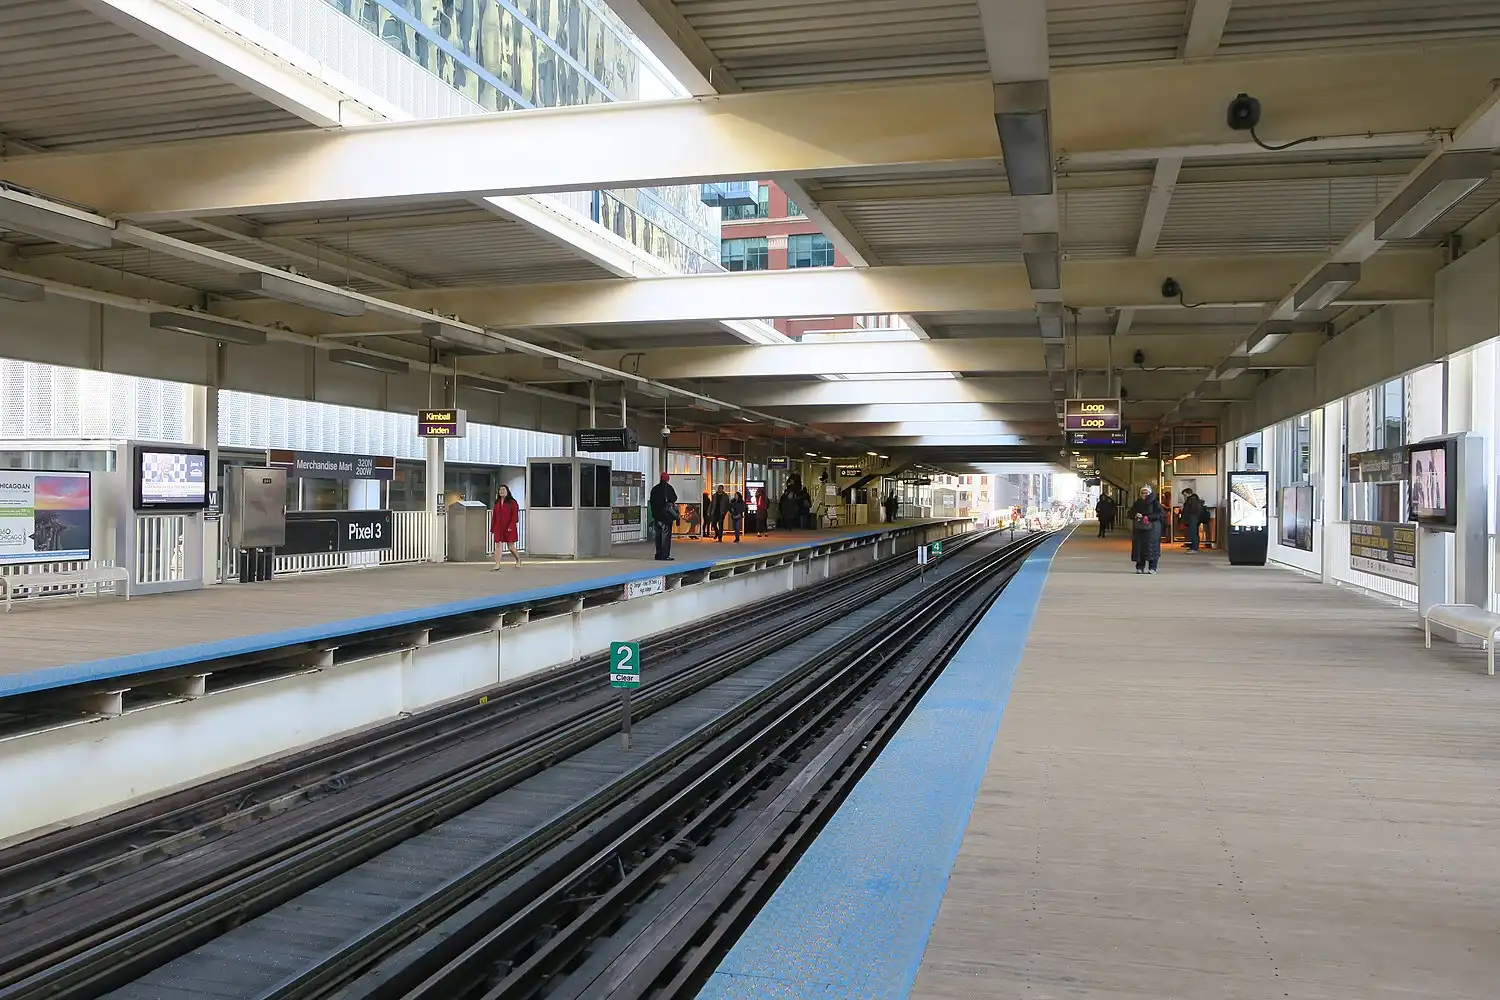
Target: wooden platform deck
(57,633)
(1219,783)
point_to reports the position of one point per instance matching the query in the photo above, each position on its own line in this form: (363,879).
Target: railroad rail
(229,864)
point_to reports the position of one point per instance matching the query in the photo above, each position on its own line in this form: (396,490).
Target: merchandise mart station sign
(328,465)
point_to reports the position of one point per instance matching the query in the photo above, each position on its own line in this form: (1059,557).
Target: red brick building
(774,235)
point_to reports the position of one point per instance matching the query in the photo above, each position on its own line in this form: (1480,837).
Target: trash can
(468,531)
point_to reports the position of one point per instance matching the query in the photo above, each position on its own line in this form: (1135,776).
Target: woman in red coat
(505,525)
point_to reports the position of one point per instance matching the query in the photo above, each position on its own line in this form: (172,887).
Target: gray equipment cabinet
(255,507)
(568,507)
(468,531)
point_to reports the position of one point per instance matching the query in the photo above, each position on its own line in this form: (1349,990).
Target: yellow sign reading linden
(441,423)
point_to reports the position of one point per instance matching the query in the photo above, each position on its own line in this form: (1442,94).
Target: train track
(117,909)
(646,905)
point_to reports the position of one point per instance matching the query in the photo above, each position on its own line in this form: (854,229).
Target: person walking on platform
(1146,520)
(718,510)
(1105,511)
(1192,516)
(505,526)
(737,509)
(663,506)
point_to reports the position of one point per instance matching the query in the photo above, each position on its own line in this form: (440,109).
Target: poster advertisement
(1384,549)
(1297,517)
(44,516)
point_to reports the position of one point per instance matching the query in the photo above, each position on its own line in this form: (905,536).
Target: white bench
(1467,620)
(81,579)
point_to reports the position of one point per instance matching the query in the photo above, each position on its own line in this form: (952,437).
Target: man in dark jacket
(1192,516)
(1105,511)
(718,510)
(663,504)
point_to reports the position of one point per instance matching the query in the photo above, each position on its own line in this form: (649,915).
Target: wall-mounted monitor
(1432,489)
(167,479)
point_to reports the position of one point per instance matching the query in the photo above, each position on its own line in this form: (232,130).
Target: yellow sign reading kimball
(442,423)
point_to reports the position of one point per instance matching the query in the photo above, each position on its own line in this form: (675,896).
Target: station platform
(57,643)
(1216,782)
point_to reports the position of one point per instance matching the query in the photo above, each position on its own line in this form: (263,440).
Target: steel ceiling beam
(960,288)
(807,133)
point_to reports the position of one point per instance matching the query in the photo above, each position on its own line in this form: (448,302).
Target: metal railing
(161,548)
(410,543)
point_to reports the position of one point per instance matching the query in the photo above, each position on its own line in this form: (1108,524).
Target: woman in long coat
(505,525)
(1146,521)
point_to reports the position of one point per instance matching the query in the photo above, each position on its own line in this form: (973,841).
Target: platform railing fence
(161,544)
(410,543)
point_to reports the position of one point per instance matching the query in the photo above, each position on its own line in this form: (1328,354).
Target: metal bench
(81,579)
(1466,619)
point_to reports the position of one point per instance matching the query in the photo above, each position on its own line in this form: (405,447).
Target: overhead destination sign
(448,423)
(1091,415)
(1099,439)
(606,439)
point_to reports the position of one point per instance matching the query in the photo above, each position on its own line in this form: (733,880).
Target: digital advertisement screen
(1429,483)
(45,516)
(1248,496)
(171,479)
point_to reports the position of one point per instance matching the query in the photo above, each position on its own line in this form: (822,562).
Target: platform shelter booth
(568,507)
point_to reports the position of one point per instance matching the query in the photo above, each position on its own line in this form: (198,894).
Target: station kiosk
(568,507)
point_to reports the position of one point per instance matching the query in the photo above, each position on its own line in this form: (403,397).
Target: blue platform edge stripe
(852,920)
(111,668)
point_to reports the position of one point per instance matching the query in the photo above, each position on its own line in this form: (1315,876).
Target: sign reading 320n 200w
(1092,415)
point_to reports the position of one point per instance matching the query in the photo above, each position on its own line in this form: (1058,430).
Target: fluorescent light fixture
(203,326)
(1022,119)
(52,221)
(21,291)
(370,362)
(457,336)
(1330,281)
(1049,319)
(301,293)
(873,454)
(651,389)
(747,420)
(1043,258)
(706,405)
(481,385)
(1267,336)
(590,372)
(1450,179)
(1026,144)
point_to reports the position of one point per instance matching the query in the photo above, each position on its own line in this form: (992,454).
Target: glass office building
(509,55)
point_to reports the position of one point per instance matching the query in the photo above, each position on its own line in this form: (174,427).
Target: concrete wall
(78,771)
(1464,313)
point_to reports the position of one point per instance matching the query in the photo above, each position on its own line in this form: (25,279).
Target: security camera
(666,431)
(1170,289)
(1244,113)
(1140,357)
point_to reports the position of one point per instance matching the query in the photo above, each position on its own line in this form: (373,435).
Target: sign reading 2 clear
(625,664)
